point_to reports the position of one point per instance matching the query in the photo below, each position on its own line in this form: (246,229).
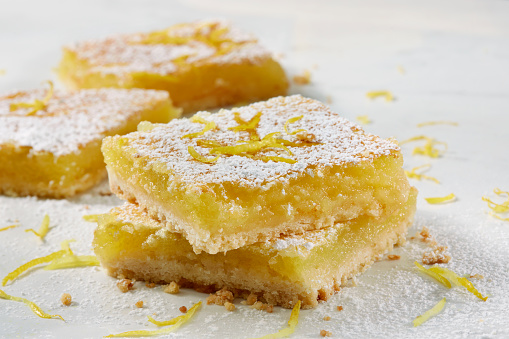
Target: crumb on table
(172,288)
(251,299)
(183,309)
(150,284)
(340,308)
(476,276)
(302,79)
(393,257)
(125,285)
(220,297)
(229,306)
(437,255)
(66,299)
(139,304)
(326,318)
(325,333)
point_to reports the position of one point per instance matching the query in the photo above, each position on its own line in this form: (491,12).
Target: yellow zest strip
(498,208)
(91,217)
(430,123)
(429,148)
(249,126)
(292,323)
(37,104)
(200,157)
(364,119)
(375,94)
(73,261)
(43,230)
(64,245)
(441,200)
(8,227)
(176,322)
(291,121)
(209,125)
(14,274)
(207,143)
(429,313)
(36,309)
(457,280)
(277,159)
(413,175)
(434,275)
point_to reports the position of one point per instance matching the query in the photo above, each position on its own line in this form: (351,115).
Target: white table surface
(456,60)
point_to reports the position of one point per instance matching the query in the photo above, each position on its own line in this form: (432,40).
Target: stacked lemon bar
(202,64)
(50,141)
(283,199)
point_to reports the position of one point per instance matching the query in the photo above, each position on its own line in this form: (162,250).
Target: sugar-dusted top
(70,120)
(336,142)
(165,52)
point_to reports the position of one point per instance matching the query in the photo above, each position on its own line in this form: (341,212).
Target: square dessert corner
(202,64)
(50,141)
(250,174)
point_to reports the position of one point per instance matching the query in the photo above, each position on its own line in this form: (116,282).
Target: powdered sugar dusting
(71,120)
(127,53)
(341,143)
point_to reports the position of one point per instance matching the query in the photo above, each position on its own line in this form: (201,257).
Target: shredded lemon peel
(498,208)
(441,200)
(363,119)
(33,306)
(412,174)
(37,261)
(91,217)
(429,313)
(43,230)
(291,121)
(375,94)
(442,122)
(448,277)
(247,126)
(36,105)
(292,323)
(209,126)
(8,227)
(176,322)
(73,261)
(200,157)
(428,149)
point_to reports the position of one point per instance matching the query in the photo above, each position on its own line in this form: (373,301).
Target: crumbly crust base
(270,289)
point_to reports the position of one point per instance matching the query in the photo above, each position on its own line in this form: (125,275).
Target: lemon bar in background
(50,142)
(246,175)
(202,65)
(308,267)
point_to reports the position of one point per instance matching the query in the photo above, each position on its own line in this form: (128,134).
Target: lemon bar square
(202,65)
(50,142)
(308,267)
(241,176)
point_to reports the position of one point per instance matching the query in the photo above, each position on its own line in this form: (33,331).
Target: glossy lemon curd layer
(191,87)
(316,197)
(25,172)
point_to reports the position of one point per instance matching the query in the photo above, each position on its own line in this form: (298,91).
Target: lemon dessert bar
(203,64)
(247,175)
(309,267)
(50,141)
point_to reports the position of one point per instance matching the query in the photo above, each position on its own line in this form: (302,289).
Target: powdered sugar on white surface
(71,120)
(341,143)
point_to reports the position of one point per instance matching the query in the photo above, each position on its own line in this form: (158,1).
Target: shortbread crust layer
(239,200)
(307,267)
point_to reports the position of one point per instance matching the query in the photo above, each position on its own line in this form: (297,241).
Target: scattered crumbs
(220,297)
(401,69)
(436,255)
(476,276)
(385,94)
(66,299)
(326,318)
(150,284)
(139,304)
(125,285)
(251,299)
(229,306)
(339,308)
(269,309)
(105,194)
(325,333)
(172,288)
(363,119)
(302,79)
(183,309)
(393,257)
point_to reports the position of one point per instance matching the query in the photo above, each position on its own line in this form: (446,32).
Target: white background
(456,60)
